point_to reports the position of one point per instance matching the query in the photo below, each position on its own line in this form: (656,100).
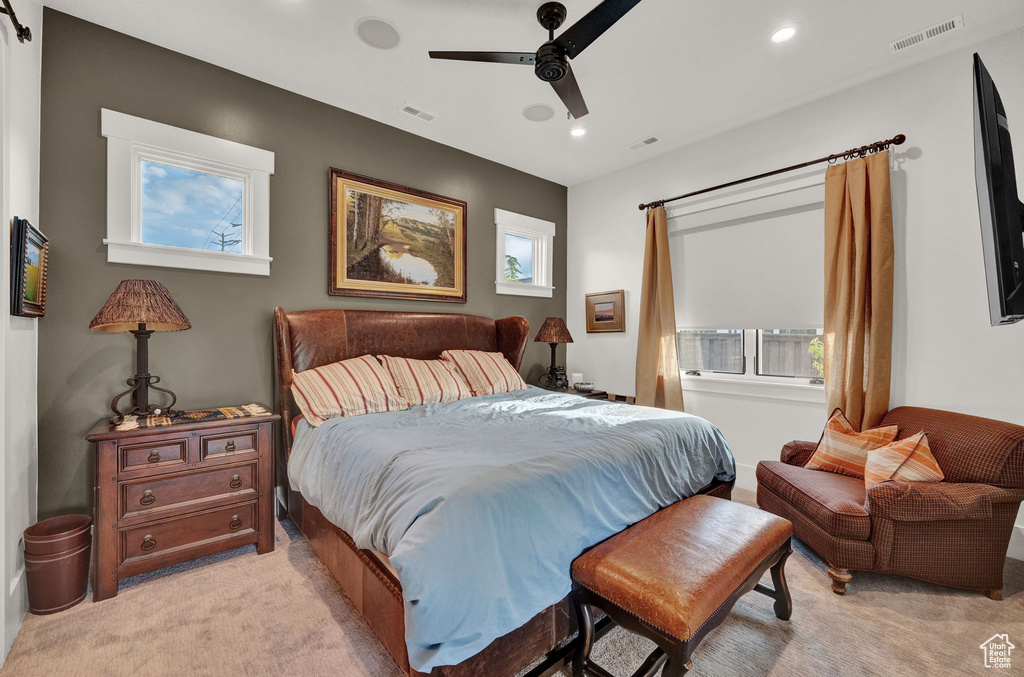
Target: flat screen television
(1002,214)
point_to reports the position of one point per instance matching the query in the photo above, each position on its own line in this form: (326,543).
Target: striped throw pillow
(486,373)
(426,381)
(347,388)
(843,450)
(909,460)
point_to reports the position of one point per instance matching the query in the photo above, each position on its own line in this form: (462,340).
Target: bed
(313,338)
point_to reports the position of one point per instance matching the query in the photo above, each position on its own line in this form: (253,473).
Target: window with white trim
(524,255)
(180,199)
(745,262)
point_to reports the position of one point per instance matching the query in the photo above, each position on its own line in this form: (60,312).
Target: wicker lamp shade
(136,302)
(553,331)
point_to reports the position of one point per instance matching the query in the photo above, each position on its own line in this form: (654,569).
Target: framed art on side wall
(606,312)
(29,254)
(392,241)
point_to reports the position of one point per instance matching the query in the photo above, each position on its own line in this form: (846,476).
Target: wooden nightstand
(592,395)
(165,495)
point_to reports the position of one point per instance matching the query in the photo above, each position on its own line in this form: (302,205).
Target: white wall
(945,354)
(20,197)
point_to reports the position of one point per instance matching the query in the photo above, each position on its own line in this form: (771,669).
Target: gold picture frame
(606,312)
(392,241)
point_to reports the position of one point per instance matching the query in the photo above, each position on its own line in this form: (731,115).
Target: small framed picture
(29,253)
(606,312)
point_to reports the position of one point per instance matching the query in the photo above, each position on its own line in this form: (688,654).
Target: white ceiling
(679,70)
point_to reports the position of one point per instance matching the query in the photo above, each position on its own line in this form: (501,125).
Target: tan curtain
(657,363)
(858,288)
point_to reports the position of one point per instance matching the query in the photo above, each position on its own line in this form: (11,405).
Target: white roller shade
(759,265)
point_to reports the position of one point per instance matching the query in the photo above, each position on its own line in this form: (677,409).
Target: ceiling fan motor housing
(551,64)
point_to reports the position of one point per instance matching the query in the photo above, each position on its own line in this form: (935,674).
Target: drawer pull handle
(147,497)
(230,446)
(148,543)
(235,522)
(154,457)
(236,482)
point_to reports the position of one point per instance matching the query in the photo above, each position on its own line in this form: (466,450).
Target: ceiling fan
(551,60)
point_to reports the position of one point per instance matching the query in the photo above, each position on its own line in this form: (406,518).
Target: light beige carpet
(281,614)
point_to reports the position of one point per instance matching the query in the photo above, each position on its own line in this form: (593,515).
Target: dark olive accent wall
(226,358)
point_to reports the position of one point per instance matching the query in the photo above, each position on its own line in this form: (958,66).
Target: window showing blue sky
(186,208)
(521,248)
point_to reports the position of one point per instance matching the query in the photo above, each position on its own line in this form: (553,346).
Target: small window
(797,353)
(715,350)
(190,209)
(181,199)
(519,259)
(524,254)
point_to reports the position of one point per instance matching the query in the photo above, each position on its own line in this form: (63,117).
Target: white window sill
(137,253)
(748,387)
(516,289)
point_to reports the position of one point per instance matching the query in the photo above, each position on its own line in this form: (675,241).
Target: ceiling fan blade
(581,34)
(568,91)
(525,58)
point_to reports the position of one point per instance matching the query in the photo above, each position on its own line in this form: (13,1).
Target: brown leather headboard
(311,338)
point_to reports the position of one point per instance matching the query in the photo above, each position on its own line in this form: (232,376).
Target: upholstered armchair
(952,533)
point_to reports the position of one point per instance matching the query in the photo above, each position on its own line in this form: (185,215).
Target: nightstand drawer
(182,533)
(236,444)
(161,494)
(157,454)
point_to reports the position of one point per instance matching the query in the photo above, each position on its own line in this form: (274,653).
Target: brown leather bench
(675,576)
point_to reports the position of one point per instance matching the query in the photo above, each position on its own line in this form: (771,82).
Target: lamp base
(141,383)
(140,406)
(555,379)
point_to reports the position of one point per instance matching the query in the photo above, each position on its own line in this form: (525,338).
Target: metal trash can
(57,562)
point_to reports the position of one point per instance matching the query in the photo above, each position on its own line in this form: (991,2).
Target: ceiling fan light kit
(551,60)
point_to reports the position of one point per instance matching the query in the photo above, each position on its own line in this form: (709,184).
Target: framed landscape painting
(606,312)
(29,258)
(392,241)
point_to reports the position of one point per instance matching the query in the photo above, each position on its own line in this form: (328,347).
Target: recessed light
(578,131)
(538,112)
(377,32)
(783,33)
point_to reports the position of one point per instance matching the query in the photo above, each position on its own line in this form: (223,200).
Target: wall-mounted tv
(1002,214)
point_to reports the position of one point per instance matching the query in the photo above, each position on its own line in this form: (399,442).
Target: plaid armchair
(952,533)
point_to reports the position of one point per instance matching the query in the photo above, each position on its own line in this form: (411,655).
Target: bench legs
(672,653)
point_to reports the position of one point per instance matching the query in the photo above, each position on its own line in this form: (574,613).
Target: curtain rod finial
(899,139)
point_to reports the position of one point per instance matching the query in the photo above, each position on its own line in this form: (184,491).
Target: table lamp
(553,332)
(140,307)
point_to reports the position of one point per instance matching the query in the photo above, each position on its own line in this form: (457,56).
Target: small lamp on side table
(553,332)
(140,307)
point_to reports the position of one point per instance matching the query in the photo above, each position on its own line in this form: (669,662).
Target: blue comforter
(482,504)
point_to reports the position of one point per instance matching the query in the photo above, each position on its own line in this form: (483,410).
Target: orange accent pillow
(347,388)
(843,450)
(908,460)
(486,373)
(426,381)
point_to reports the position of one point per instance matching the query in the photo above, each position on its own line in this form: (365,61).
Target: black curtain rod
(845,155)
(24,33)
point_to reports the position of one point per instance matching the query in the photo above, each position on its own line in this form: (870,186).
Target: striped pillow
(486,373)
(843,450)
(909,460)
(426,381)
(346,388)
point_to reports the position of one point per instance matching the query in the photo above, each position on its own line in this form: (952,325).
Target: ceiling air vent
(643,143)
(954,24)
(417,113)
